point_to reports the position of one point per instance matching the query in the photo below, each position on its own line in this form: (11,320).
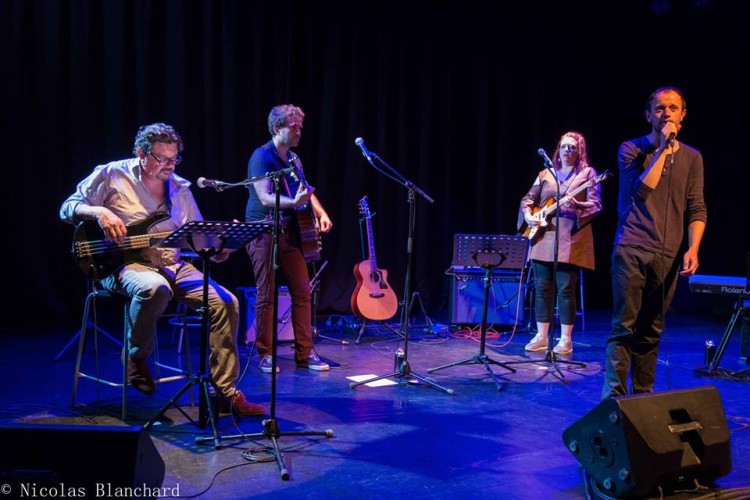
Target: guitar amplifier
(467,297)
(246,296)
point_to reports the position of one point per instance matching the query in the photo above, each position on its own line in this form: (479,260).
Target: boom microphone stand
(402,370)
(270,426)
(550,357)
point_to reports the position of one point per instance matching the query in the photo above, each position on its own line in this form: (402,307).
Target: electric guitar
(544,212)
(373,298)
(309,227)
(98,257)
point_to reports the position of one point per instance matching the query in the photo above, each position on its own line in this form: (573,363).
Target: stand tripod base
(272,433)
(381,323)
(551,358)
(206,413)
(403,371)
(482,359)
(317,335)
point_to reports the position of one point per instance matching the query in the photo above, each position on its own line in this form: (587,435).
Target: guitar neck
(371,246)
(553,207)
(129,243)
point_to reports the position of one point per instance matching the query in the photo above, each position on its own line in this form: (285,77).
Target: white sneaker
(564,346)
(314,363)
(266,365)
(538,343)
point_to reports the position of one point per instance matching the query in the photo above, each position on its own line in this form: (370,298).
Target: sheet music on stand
(470,248)
(198,235)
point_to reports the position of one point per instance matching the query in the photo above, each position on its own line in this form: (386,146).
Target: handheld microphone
(209,183)
(670,139)
(547,162)
(366,152)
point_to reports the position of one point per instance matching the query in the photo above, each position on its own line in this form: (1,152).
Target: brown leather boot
(139,376)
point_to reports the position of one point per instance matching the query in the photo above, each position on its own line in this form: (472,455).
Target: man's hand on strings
(113,227)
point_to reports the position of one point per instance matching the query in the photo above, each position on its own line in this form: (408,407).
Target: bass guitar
(309,227)
(98,257)
(544,212)
(373,298)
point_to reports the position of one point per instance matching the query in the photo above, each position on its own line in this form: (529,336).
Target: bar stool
(90,322)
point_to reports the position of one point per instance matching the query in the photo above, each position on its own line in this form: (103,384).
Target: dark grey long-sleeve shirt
(655,219)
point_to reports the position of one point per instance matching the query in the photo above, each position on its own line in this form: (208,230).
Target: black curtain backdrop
(455,95)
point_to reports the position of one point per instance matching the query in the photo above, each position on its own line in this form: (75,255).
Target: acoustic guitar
(309,227)
(544,212)
(98,257)
(373,298)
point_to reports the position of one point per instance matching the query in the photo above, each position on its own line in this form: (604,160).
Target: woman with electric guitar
(303,218)
(579,202)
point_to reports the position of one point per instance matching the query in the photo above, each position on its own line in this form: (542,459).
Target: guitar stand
(414,296)
(481,357)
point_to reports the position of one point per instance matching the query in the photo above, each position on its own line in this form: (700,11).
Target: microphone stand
(550,357)
(270,425)
(402,369)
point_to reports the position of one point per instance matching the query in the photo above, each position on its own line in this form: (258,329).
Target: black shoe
(139,376)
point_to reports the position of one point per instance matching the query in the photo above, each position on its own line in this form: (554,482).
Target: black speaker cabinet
(467,298)
(246,296)
(82,461)
(632,446)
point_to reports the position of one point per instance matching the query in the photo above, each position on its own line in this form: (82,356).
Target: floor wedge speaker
(79,461)
(648,444)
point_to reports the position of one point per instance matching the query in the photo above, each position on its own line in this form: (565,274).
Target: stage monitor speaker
(284,328)
(467,298)
(650,444)
(82,461)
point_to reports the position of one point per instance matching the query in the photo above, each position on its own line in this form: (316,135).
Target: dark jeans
(292,264)
(643,285)
(566,279)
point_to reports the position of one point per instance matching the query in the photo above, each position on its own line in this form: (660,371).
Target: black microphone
(366,152)
(209,183)
(670,139)
(547,162)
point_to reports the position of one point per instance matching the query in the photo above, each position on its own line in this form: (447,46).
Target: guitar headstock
(298,174)
(364,207)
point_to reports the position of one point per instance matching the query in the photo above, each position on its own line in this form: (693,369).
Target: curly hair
(280,114)
(156,132)
(583,152)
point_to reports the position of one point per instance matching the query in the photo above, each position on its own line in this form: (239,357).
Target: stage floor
(452,433)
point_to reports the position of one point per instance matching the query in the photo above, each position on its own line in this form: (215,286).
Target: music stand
(271,429)
(206,239)
(488,252)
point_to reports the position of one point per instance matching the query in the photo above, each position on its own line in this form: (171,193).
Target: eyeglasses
(164,163)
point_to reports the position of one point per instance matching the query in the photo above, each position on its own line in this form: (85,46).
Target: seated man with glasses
(143,194)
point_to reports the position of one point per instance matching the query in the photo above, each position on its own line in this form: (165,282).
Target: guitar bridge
(377,295)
